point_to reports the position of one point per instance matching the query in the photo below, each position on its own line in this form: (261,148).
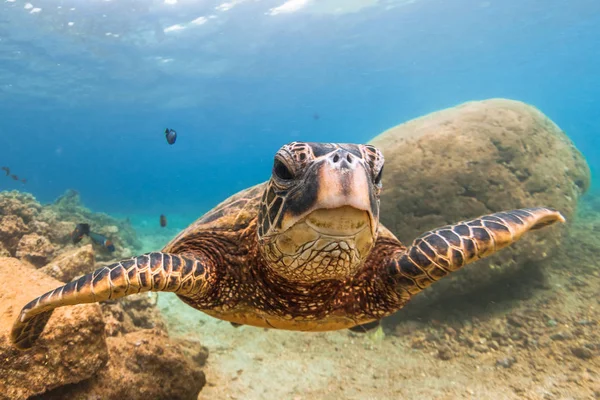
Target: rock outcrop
(474,159)
(141,368)
(72,348)
(37,233)
(113,350)
(71,264)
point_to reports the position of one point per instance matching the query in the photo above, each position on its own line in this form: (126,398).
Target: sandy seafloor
(409,362)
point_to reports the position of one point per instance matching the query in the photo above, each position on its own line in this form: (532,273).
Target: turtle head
(320,210)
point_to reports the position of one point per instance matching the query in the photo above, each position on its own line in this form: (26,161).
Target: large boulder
(71,349)
(474,159)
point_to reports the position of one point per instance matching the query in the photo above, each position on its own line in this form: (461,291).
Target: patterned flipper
(439,252)
(187,276)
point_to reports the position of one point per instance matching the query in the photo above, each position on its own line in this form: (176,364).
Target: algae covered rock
(143,365)
(12,229)
(72,348)
(71,264)
(474,159)
(113,350)
(80,356)
(4,251)
(69,211)
(36,249)
(18,203)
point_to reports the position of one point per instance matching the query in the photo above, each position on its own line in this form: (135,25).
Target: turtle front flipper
(186,275)
(436,253)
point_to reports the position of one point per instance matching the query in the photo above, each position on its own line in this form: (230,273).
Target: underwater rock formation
(71,350)
(35,249)
(474,159)
(141,367)
(117,349)
(108,351)
(12,229)
(37,233)
(71,211)
(4,251)
(71,264)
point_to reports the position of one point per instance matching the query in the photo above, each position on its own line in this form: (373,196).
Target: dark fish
(79,232)
(163,220)
(16,178)
(24,180)
(316,116)
(7,170)
(84,229)
(102,241)
(171,135)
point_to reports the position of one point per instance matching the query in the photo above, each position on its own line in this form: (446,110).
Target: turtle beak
(340,180)
(345,182)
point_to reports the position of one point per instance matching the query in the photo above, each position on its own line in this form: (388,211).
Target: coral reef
(121,233)
(474,159)
(117,349)
(37,233)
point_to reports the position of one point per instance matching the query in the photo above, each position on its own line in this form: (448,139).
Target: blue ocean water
(87,88)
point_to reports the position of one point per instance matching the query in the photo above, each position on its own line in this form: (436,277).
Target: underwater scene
(299,199)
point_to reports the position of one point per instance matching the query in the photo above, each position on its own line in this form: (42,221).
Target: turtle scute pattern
(437,253)
(148,272)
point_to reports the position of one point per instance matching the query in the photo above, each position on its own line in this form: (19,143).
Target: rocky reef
(38,233)
(113,350)
(478,158)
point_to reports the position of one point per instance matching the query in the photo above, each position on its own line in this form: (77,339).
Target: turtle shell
(231,215)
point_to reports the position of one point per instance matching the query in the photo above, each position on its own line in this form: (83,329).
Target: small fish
(16,178)
(24,180)
(79,232)
(7,170)
(316,116)
(163,221)
(84,229)
(102,241)
(171,135)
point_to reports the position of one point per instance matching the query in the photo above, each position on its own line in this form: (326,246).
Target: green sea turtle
(303,251)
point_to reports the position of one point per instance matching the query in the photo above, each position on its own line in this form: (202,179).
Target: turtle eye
(282,171)
(379,175)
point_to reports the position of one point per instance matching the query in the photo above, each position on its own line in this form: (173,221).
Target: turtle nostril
(336,158)
(349,158)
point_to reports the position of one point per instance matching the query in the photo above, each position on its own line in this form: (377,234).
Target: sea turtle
(303,251)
